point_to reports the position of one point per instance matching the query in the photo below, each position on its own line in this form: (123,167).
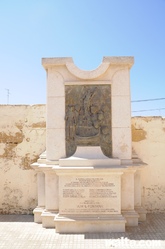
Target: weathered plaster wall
(22,140)
(148,136)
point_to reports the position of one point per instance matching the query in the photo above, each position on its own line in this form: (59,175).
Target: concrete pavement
(19,232)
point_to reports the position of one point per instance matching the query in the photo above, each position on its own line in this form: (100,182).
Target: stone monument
(88,180)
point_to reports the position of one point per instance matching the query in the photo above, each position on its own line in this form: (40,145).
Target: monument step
(113,223)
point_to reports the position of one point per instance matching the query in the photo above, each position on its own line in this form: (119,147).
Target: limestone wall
(22,140)
(149,143)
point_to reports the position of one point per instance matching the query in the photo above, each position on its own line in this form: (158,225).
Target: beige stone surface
(121,111)
(89,193)
(122,147)
(51,190)
(41,189)
(56,112)
(22,140)
(148,135)
(55,144)
(114,223)
(55,85)
(127,189)
(89,156)
(121,83)
(89,200)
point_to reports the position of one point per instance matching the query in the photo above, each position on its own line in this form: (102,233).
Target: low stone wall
(22,140)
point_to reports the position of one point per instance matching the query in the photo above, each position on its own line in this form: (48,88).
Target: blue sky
(86,30)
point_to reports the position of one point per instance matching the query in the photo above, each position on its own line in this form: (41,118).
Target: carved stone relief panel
(88,117)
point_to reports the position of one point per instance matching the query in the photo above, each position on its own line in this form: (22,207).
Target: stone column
(41,197)
(55,126)
(127,198)
(139,209)
(51,198)
(55,140)
(40,187)
(121,113)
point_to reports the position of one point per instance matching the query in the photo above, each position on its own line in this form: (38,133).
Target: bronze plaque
(88,117)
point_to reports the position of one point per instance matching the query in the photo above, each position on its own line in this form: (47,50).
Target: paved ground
(19,232)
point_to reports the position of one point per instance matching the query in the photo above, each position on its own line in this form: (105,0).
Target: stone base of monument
(48,218)
(89,200)
(141,212)
(131,217)
(73,224)
(37,214)
(94,193)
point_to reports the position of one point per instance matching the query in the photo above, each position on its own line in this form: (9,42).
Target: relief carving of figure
(88,117)
(70,124)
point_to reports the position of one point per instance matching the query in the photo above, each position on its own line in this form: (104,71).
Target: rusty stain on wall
(138,134)
(19,125)
(147,119)
(9,138)
(11,199)
(39,125)
(27,160)
(154,196)
(10,141)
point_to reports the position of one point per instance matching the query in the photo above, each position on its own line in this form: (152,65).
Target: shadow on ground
(16,218)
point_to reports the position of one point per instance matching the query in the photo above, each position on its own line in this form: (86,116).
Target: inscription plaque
(90,195)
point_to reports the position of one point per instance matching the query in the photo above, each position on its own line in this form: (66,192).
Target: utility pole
(8,93)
